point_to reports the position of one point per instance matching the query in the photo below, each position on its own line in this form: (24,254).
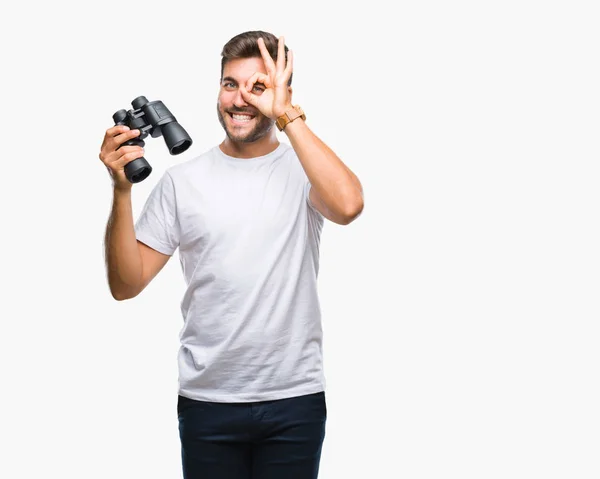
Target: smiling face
(242,122)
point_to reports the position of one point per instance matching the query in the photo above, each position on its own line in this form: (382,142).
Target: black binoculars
(151,118)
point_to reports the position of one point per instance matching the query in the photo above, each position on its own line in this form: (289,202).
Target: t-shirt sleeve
(158,225)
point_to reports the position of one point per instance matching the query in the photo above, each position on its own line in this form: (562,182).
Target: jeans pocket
(317,404)
(183,403)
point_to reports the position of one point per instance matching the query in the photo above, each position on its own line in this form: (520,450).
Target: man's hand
(115,157)
(276,99)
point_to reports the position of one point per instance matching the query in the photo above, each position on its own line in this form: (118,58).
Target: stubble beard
(260,130)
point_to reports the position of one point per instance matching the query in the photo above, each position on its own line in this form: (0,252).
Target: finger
(110,157)
(115,130)
(129,149)
(248,97)
(289,67)
(281,54)
(258,78)
(112,132)
(269,64)
(126,158)
(123,137)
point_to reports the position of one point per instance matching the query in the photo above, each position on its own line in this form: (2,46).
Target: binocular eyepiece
(151,118)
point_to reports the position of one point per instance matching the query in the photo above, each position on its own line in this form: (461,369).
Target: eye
(257,88)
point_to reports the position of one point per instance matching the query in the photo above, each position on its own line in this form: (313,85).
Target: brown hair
(245,45)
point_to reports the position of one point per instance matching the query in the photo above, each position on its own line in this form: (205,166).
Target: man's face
(249,124)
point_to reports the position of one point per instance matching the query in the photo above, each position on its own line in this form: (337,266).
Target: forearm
(335,184)
(122,254)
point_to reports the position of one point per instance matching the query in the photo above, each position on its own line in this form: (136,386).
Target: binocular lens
(137,170)
(180,148)
(176,138)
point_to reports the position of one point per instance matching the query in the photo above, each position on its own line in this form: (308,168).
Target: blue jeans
(279,439)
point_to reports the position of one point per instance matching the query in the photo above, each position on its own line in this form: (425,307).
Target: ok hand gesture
(276,99)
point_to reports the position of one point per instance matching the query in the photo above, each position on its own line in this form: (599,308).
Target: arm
(335,191)
(130,264)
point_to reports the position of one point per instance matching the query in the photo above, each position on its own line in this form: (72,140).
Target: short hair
(245,45)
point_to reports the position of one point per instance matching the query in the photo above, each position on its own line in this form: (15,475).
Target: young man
(247,217)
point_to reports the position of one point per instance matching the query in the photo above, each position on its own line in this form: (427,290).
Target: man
(247,217)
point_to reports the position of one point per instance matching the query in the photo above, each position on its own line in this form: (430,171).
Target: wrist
(122,190)
(282,111)
(289,116)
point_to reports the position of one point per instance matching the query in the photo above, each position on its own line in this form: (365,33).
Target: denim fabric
(278,439)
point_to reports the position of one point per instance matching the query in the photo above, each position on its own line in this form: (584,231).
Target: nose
(238,101)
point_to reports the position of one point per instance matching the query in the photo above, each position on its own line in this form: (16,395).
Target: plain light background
(460,310)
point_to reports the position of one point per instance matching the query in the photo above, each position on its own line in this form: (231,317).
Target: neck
(261,147)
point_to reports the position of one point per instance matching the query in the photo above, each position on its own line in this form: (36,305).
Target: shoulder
(293,162)
(287,151)
(289,158)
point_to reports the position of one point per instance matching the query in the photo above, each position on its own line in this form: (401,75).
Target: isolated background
(460,310)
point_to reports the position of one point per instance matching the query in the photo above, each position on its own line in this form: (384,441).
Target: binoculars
(151,118)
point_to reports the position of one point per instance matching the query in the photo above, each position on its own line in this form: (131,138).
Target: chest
(226,209)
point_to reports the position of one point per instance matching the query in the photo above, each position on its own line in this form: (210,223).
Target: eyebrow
(231,79)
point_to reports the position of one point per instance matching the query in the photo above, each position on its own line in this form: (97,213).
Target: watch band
(289,116)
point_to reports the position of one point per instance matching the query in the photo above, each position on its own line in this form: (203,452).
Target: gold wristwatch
(289,116)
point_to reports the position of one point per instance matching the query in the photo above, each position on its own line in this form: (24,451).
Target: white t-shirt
(248,239)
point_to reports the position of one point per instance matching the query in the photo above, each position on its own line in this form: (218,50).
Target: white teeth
(241,117)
